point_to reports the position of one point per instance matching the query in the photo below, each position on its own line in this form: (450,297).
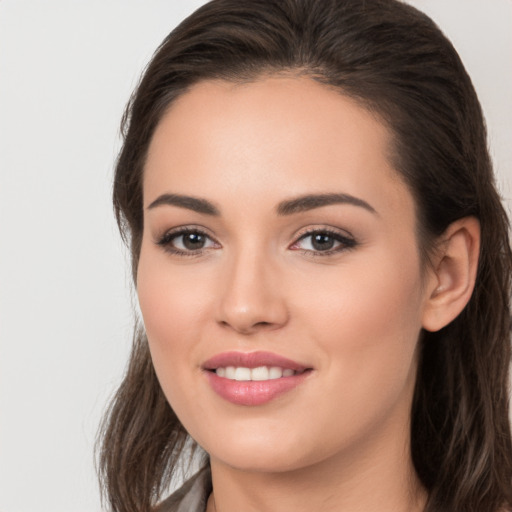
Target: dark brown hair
(393,60)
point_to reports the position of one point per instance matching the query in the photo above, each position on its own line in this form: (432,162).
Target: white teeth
(275,372)
(242,374)
(260,373)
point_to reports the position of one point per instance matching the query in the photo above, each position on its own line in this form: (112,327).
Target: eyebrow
(190,203)
(312,201)
(288,207)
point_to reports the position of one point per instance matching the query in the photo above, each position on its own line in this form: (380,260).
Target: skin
(340,440)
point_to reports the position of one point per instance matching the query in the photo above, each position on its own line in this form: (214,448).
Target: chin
(259,461)
(261,452)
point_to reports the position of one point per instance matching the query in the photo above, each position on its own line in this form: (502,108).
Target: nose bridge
(251,297)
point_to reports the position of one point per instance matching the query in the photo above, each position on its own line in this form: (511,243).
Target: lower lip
(248,392)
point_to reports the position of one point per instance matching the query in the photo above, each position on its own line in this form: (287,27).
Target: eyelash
(166,241)
(345,242)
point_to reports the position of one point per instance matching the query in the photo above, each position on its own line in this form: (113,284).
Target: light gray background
(67,68)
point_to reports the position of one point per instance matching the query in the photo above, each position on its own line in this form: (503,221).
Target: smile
(254,378)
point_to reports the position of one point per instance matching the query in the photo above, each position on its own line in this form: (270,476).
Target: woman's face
(279,276)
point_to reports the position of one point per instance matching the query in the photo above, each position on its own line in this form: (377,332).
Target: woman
(323,269)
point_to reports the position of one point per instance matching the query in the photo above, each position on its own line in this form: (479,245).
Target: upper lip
(251,360)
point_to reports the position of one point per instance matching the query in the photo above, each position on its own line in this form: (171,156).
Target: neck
(378,477)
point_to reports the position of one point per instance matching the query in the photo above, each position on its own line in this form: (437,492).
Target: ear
(452,277)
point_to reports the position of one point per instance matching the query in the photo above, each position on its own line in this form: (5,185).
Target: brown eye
(324,242)
(193,241)
(187,242)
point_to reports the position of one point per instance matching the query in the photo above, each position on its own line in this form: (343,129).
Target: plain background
(67,68)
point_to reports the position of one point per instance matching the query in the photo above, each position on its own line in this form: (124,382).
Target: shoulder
(191,496)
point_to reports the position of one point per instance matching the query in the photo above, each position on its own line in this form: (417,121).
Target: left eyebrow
(312,201)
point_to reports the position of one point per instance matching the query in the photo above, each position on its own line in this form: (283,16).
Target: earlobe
(453,274)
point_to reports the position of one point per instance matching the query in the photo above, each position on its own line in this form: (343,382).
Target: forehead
(274,136)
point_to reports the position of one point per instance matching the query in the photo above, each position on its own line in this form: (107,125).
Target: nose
(251,299)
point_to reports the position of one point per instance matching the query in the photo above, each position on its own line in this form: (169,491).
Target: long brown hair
(393,60)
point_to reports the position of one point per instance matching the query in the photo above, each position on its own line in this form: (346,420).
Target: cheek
(170,297)
(173,306)
(367,323)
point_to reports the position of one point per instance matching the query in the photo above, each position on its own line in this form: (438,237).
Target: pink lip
(253,392)
(251,360)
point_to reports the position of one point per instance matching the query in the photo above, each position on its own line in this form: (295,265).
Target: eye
(186,241)
(324,242)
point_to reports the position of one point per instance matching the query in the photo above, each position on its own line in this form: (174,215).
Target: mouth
(253,378)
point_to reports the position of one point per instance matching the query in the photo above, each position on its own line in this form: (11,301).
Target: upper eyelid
(178,230)
(322,229)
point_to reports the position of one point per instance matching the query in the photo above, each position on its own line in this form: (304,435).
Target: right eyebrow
(195,204)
